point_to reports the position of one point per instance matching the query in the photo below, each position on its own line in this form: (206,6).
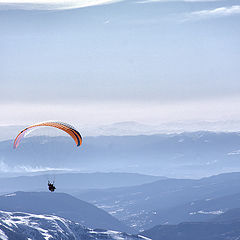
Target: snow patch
(208,199)
(10,195)
(217,212)
(3,235)
(237,152)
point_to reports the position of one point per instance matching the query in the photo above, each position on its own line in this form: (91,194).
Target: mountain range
(73,182)
(137,208)
(133,128)
(185,155)
(169,200)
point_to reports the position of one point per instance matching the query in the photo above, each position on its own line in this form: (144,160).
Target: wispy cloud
(217,12)
(152,1)
(51,4)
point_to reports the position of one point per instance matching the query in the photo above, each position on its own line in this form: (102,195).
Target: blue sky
(148,61)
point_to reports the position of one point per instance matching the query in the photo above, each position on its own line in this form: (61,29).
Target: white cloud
(51,4)
(217,12)
(70,4)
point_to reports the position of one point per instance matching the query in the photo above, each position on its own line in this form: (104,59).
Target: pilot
(51,186)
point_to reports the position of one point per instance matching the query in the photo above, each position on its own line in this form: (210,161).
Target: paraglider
(70,130)
(60,125)
(51,186)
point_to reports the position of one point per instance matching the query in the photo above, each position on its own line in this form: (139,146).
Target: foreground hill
(22,226)
(142,207)
(60,204)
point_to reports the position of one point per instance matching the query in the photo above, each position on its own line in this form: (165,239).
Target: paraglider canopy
(60,125)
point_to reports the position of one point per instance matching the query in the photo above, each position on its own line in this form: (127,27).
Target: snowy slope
(62,205)
(18,225)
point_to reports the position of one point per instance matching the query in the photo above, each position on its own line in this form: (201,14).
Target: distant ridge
(72,182)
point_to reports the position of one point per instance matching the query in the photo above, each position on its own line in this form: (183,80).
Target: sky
(100,62)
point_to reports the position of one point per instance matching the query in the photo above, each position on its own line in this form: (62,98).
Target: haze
(152,62)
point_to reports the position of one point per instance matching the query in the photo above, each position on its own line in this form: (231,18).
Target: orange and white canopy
(60,125)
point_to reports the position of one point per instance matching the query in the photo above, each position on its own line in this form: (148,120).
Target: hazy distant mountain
(62,205)
(183,155)
(131,128)
(136,128)
(71,182)
(170,200)
(21,226)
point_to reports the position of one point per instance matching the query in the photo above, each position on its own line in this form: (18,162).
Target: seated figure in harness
(51,186)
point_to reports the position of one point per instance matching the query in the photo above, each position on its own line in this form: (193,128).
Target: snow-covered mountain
(19,225)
